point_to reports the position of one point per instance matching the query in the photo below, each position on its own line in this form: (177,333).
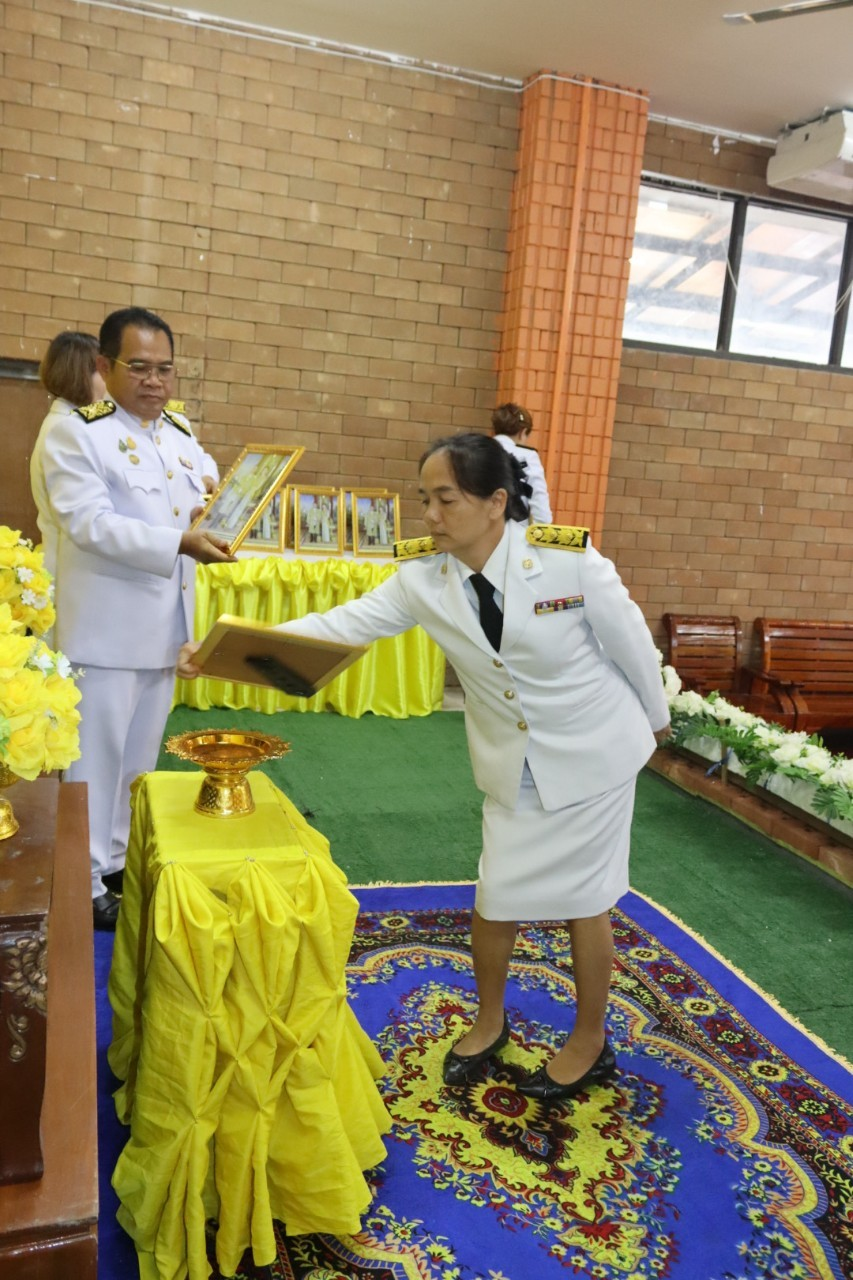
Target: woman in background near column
(67,371)
(511,426)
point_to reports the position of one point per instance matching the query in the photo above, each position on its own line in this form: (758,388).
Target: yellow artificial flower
(62,738)
(61,742)
(24,582)
(38,697)
(24,752)
(14,652)
(23,694)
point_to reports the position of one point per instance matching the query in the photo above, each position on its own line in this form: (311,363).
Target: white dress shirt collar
(494,569)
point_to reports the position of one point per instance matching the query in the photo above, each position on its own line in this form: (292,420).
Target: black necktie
(491,618)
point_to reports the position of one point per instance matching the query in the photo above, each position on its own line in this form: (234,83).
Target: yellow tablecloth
(401,676)
(248,1084)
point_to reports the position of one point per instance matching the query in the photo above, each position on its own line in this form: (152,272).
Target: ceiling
(750,80)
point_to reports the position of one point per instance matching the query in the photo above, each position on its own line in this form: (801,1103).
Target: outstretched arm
(381,612)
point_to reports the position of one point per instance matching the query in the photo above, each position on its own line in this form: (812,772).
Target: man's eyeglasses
(141,370)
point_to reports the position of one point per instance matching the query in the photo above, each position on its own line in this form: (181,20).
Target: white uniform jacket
(47,525)
(121,495)
(540,503)
(576,688)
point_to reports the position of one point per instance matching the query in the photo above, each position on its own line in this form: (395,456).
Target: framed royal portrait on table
(375,521)
(268,531)
(248,488)
(319,520)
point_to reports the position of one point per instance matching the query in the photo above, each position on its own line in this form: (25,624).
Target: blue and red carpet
(723,1150)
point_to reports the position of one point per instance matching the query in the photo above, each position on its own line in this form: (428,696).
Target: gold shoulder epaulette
(175,406)
(567,537)
(170,413)
(100,409)
(413,548)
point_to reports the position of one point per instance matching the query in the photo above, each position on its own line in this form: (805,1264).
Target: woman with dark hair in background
(68,373)
(512,426)
(563,704)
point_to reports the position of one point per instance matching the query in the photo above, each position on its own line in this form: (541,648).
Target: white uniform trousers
(123,715)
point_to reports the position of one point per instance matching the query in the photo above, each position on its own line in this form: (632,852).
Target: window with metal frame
(724,273)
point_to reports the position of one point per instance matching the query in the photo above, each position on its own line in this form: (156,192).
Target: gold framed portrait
(268,531)
(247,489)
(375,522)
(319,520)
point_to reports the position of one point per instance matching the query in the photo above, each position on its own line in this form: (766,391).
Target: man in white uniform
(124,477)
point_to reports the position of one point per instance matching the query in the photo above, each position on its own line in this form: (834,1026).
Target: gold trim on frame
(391,535)
(246,490)
(321,547)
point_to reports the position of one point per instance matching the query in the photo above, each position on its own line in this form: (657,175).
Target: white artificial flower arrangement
(760,751)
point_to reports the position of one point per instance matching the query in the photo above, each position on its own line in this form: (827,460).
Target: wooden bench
(707,652)
(804,676)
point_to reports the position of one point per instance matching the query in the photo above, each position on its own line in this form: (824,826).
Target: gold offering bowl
(226,756)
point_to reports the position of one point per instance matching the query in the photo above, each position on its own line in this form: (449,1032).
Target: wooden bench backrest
(707,652)
(817,656)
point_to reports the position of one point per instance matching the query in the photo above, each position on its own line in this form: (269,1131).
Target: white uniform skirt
(562,864)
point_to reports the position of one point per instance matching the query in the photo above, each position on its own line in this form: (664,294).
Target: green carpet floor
(397,802)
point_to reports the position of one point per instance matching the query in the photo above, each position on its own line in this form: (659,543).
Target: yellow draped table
(399,676)
(248,1085)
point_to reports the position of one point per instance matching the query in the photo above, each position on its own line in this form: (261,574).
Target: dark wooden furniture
(804,676)
(25,403)
(24,903)
(48,1224)
(707,652)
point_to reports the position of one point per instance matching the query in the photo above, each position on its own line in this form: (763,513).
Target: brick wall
(730,488)
(325,235)
(691,155)
(328,238)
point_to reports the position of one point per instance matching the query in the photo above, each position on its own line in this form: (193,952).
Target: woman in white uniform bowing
(563,701)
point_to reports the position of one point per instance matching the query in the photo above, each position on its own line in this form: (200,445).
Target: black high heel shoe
(460,1067)
(545,1089)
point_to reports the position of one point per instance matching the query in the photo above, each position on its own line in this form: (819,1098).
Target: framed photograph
(319,521)
(246,491)
(375,522)
(267,533)
(349,503)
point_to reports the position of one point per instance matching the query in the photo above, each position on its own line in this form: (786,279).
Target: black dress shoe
(114,881)
(460,1067)
(544,1088)
(105,910)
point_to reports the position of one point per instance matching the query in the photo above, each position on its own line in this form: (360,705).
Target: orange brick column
(572,225)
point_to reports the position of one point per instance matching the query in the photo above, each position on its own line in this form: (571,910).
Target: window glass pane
(678,268)
(787,284)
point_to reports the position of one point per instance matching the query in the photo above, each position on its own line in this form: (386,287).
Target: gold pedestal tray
(8,821)
(226,756)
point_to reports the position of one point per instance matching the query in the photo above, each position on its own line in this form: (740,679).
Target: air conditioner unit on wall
(816,159)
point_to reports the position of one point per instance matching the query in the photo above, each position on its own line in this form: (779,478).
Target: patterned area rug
(723,1150)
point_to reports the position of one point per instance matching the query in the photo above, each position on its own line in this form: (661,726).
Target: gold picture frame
(268,531)
(248,487)
(319,520)
(348,503)
(375,521)
(245,652)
